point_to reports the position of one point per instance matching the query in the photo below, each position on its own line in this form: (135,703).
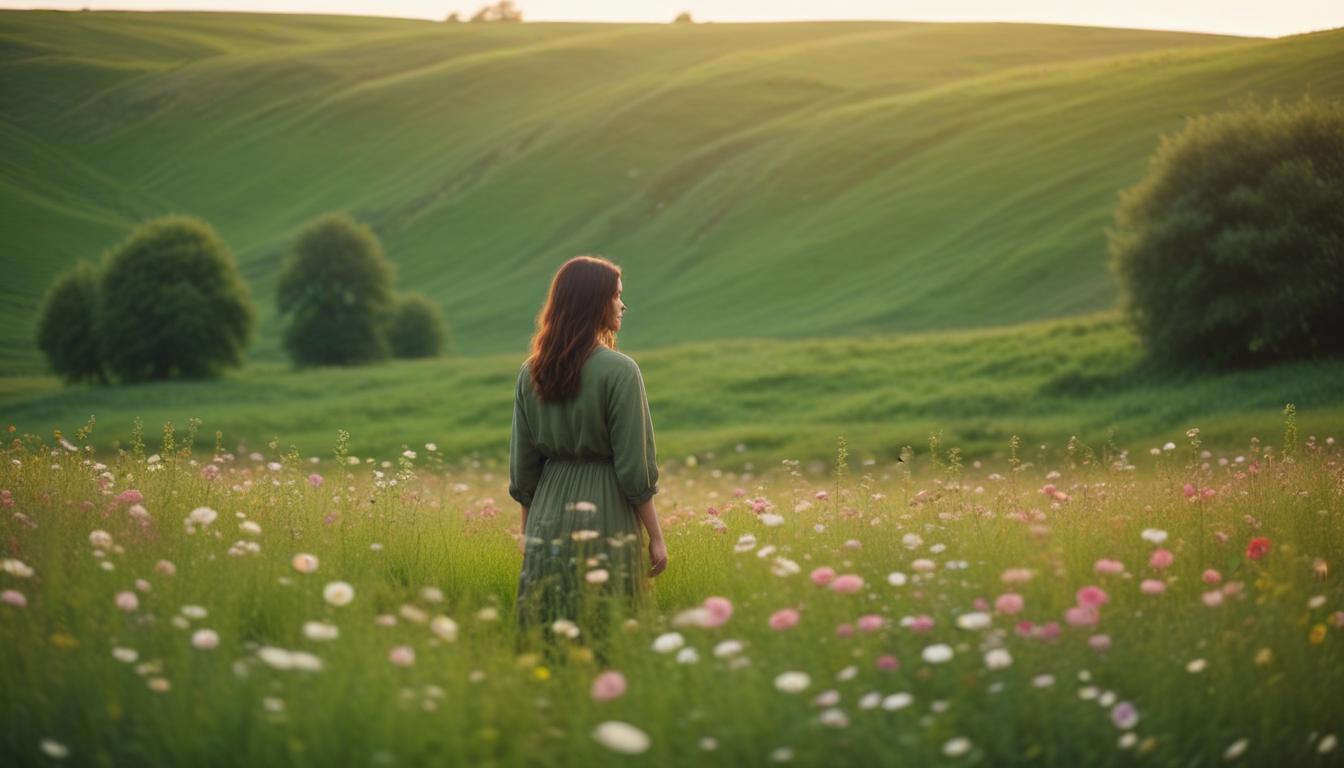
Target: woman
(581,460)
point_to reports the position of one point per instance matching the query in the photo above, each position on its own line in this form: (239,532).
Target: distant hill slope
(754,180)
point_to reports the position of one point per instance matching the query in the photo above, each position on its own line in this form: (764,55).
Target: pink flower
(1100,642)
(1212,598)
(1092,597)
(1258,548)
(1082,616)
(127,601)
(1048,631)
(870,622)
(717,611)
(844,630)
(608,685)
(823,575)
(888,662)
(130,496)
(209,472)
(921,624)
(13,597)
(402,656)
(784,618)
(1189,491)
(1232,589)
(1161,558)
(847,584)
(165,568)
(1009,603)
(1211,577)
(1153,587)
(1107,567)
(315,480)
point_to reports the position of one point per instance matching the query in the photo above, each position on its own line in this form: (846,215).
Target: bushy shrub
(1230,252)
(67,327)
(417,328)
(336,290)
(172,303)
(504,10)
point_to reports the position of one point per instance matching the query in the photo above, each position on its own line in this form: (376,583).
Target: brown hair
(576,318)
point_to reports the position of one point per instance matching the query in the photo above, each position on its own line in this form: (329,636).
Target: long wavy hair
(577,318)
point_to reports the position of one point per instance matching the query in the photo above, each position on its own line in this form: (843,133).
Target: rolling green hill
(754,180)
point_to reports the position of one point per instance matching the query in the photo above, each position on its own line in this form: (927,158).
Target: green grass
(1201,679)
(1045,382)
(754,180)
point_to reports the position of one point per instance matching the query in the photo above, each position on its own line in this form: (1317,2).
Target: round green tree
(417,328)
(67,327)
(1230,252)
(336,293)
(171,303)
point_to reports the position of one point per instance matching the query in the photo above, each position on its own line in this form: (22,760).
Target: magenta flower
(847,584)
(1009,603)
(870,622)
(1124,715)
(1108,567)
(921,623)
(1211,577)
(823,575)
(1161,558)
(887,662)
(784,618)
(1092,597)
(608,685)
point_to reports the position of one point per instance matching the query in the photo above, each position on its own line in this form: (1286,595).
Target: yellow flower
(541,673)
(581,654)
(528,660)
(1264,657)
(64,641)
(1317,635)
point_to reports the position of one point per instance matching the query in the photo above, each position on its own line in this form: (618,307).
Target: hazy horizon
(1237,17)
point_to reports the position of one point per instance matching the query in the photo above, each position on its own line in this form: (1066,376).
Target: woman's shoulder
(608,359)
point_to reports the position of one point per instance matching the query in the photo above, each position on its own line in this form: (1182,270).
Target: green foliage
(417,328)
(173,304)
(1231,250)
(67,329)
(336,289)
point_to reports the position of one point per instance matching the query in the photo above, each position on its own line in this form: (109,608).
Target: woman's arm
(657,547)
(522,531)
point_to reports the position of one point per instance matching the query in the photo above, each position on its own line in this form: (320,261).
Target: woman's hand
(657,556)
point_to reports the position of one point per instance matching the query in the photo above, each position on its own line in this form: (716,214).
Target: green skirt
(584,558)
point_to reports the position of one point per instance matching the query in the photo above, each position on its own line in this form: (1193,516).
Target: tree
(417,328)
(504,10)
(336,289)
(67,328)
(453,18)
(683,18)
(1230,252)
(171,303)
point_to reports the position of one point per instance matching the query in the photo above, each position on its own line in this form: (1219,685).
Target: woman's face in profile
(617,306)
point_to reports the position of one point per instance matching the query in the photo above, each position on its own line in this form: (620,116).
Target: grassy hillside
(1044,381)
(768,180)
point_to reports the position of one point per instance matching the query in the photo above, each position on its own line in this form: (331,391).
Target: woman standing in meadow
(582,461)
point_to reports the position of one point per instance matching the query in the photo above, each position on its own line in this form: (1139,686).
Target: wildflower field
(189,606)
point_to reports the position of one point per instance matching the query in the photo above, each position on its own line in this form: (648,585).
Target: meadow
(174,604)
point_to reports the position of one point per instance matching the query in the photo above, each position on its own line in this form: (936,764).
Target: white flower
(871,700)
(1195,666)
(792,682)
(16,568)
(305,661)
(444,627)
(1043,681)
(785,567)
(974,620)
(957,747)
(338,593)
(691,617)
(431,594)
(1236,749)
(998,658)
(194,612)
(897,701)
(727,648)
(250,528)
(745,543)
(565,628)
(668,642)
(125,655)
(621,737)
(1153,535)
(55,749)
(275,658)
(597,576)
(771,520)
(834,718)
(911,540)
(937,654)
(202,516)
(408,454)
(584,535)
(320,631)
(688,655)
(896,579)
(488,613)
(101,539)
(1327,744)
(205,639)
(848,673)
(1169,447)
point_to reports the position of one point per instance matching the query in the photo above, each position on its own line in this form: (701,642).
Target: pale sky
(1267,18)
